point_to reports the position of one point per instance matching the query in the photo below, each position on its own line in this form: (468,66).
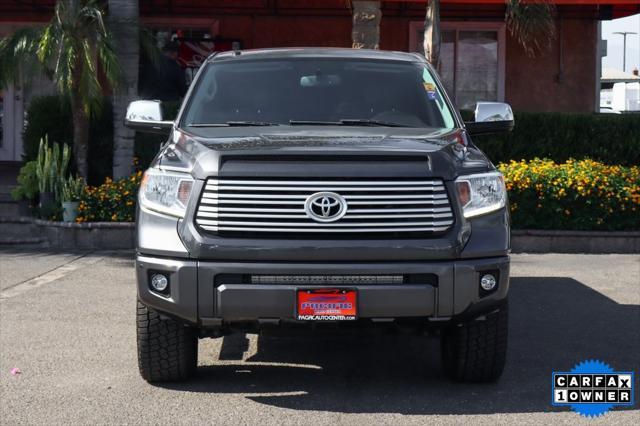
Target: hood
(208,152)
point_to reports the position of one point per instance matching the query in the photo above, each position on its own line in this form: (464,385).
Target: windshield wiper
(314,123)
(367,122)
(234,123)
(347,122)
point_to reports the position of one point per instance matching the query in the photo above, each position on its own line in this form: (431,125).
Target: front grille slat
(320,188)
(324,231)
(305,217)
(271,207)
(259,183)
(339,224)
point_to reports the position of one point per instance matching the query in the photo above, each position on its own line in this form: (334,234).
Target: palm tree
(71,49)
(124,24)
(531,22)
(366,24)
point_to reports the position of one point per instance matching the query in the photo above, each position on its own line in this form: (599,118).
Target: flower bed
(113,201)
(575,195)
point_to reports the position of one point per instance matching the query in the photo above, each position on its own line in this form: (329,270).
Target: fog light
(159,282)
(488,282)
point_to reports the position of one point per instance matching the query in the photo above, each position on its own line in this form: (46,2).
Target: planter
(70,211)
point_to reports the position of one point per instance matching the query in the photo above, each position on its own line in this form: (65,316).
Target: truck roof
(316,52)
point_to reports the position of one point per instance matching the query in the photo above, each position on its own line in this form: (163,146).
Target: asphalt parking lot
(67,322)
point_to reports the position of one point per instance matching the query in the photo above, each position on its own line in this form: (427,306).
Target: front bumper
(202,294)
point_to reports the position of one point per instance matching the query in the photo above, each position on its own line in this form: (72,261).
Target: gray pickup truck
(321,188)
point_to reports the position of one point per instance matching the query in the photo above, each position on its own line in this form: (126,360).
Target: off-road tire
(475,351)
(167,349)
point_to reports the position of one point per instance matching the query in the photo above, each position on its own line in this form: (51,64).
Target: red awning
(618,8)
(558,2)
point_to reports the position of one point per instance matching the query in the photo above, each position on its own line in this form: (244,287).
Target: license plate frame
(326,304)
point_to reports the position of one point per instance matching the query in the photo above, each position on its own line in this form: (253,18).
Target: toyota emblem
(325,206)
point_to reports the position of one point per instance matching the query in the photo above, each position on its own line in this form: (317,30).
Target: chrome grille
(277,206)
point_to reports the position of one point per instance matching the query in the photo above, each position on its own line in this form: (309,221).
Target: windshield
(311,91)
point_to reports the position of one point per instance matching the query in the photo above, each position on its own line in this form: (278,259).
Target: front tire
(476,351)
(167,349)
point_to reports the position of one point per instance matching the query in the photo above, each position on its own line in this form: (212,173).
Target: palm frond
(89,85)
(18,52)
(531,23)
(149,47)
(109,60)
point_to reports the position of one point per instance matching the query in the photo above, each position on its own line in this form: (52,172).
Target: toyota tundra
(321,188)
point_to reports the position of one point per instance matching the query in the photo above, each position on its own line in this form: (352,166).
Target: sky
(614,42)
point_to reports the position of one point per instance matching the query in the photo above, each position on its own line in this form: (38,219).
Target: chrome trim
(315,188)
(305,196)
(214,182)
(303,217)
(317,224)
(360,230)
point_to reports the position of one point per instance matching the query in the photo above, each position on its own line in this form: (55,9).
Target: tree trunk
(432,33)
(125,27)
(366,25)
(80,135)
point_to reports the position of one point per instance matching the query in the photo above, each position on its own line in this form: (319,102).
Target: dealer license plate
(331,304)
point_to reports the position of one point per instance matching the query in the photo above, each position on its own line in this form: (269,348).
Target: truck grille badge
(325,206)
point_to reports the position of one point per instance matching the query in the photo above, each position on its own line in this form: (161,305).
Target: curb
(90,235)
(86,225)
(588,242)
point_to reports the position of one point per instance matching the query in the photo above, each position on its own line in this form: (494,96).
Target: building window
(471,59)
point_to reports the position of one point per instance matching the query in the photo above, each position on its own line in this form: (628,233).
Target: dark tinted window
(325,90)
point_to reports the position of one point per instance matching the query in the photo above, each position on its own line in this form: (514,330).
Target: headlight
(165,192)
(481,193)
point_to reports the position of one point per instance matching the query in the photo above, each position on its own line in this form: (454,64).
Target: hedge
(609,138)
(575,195)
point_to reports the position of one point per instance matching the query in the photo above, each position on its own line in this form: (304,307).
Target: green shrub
(113,201)
(50,116)
(27,187)
(610,138)
(51,166)
(576,195)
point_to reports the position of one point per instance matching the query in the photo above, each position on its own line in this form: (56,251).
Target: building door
(12,113)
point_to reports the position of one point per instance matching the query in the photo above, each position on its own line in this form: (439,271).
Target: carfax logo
(592,388)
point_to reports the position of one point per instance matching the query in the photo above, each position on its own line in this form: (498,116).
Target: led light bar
(327,279)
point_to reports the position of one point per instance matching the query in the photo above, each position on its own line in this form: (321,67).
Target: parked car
(314,187)
(608,110)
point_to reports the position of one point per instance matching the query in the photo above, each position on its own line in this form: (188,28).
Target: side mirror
(146,116)
(491,117)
